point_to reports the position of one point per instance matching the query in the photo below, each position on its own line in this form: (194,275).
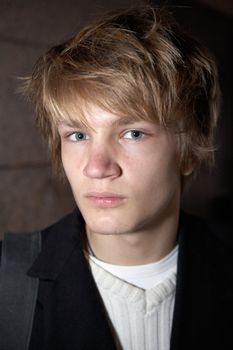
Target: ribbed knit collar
(143,300)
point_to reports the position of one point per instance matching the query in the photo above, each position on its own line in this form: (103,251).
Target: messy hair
(138,62)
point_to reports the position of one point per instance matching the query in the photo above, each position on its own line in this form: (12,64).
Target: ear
(187,169)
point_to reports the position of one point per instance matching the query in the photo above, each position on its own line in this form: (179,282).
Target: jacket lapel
(73,314)
(199,320)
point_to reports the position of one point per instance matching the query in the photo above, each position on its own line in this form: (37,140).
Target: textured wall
(211,194)
(30,197)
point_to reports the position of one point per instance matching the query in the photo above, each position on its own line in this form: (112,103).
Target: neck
(143,247)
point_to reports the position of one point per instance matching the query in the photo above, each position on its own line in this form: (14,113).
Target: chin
(106,226)
(105,229)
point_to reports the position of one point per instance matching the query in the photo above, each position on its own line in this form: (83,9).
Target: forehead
(93,116)
(86,104)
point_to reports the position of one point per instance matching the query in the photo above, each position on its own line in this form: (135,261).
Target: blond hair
(136,62)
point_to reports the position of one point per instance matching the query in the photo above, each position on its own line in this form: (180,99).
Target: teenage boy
(129,107)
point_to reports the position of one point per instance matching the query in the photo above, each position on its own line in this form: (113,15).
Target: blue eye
(134,134)
(78,136)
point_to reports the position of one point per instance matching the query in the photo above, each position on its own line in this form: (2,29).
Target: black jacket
(70,314)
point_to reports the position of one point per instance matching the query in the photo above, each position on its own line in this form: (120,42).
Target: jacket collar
(203,286)
(65,276)
(58,242)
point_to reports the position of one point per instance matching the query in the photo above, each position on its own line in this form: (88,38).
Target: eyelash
(140,133)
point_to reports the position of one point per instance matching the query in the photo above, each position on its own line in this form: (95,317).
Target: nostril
(101,167)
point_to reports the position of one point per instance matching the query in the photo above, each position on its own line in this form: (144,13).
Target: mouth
(105,199)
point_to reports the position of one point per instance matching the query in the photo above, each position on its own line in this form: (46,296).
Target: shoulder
(207,238)
(207,227)
(66,227)
(57,234)
(60,242)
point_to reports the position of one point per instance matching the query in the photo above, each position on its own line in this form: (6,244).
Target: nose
(101,163)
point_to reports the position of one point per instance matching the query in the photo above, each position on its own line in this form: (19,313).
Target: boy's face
(124,173)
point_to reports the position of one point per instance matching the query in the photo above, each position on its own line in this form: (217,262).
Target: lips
(105,199)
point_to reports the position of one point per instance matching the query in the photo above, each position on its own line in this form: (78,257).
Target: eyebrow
(71,124)
(118,122)
(125,121)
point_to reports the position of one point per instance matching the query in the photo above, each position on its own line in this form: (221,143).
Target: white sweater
(141,318)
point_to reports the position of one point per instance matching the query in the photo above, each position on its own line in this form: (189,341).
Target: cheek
(153,175)
(69,164)
(65,160)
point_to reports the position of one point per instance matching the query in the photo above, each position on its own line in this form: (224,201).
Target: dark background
(30,196)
